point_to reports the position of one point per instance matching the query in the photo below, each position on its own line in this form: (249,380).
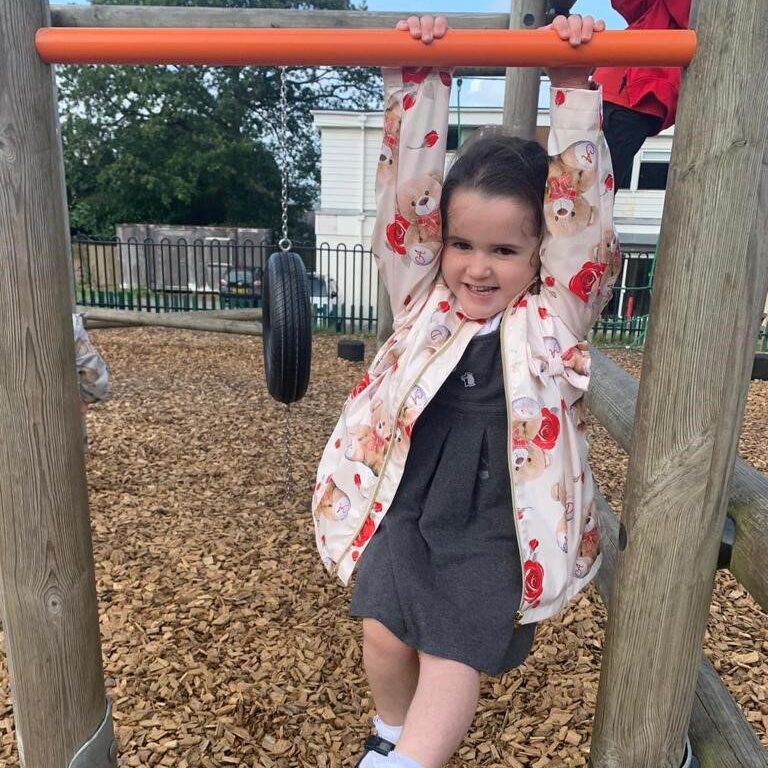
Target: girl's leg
(392,668)
(441,711)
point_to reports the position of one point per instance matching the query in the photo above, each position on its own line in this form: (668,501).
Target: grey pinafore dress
(443,572)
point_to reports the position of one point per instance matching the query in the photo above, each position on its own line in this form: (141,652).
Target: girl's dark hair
(499,165)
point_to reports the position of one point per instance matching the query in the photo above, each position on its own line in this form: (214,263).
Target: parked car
(241,287)
(322,295)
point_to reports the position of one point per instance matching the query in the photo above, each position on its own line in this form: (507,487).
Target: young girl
(456,476)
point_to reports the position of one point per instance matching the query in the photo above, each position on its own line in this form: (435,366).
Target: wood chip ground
(224,642)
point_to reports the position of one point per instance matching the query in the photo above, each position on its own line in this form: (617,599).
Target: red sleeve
(661,14)
(632,10)
(679,11)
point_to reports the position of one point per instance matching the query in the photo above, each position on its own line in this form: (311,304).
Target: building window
(653,175)
(457,137)
(453,137)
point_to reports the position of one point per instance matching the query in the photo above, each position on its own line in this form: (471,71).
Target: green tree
(197,145)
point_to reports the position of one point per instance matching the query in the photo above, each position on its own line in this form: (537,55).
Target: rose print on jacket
(413,77)
(419,75)
(533,576)
(360,386)
(396,234)
(586,282)
(430,139)
(365,532)
(534,432)
(549,430)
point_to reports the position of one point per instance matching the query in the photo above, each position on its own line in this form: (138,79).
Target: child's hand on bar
(424,28)
(577,30)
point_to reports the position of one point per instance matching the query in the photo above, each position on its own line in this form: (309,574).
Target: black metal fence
(176,276)
(210,274)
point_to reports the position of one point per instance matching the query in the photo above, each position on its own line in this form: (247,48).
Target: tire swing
(286,309)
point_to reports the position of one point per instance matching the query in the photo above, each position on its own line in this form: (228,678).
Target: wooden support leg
(46,561)
(691,396)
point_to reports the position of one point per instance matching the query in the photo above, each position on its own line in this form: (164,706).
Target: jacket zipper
(519,614)
(426,365)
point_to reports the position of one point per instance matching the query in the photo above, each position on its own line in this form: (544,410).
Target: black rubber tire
(351,349)
(287,327)
(760,366)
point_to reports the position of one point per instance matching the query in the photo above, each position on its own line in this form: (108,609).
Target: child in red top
(639,102)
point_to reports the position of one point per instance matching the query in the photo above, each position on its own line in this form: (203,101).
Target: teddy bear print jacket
(545,363)
(92,374)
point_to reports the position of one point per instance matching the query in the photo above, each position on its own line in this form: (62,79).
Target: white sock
(392,760)
(396,760)
(375,760)
(386,731)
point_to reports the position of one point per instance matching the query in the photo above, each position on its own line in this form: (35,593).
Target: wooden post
(720,734)
(46,561)
(187,321)
(521,91)
(695,375)
(612,400)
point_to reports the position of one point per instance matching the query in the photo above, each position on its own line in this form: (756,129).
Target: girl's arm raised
(580,256)
(407,236)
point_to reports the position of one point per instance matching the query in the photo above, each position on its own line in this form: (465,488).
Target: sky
(475,92)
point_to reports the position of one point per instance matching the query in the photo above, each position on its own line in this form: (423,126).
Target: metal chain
(284,244)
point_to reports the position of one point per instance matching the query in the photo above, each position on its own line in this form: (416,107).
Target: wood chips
(224,641)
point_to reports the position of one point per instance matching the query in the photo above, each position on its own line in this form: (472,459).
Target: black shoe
(376,744)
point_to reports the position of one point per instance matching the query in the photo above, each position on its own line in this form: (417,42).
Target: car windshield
(240,275)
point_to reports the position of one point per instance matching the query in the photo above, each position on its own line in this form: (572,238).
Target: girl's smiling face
(490,251)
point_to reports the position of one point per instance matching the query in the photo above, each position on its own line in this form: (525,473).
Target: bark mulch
(224,641)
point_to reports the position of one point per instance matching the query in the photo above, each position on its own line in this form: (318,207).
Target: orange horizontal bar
(358,47)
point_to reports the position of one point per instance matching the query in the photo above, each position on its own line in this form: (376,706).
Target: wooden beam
(521,89)
(133,16)
(46,561)
(144,16)
(612,397)
(188,321)
(720,735)
(692,395)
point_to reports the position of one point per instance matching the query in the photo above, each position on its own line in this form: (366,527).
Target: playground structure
(713,265)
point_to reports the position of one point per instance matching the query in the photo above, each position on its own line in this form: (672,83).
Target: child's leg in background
(392,668)
(441,711)
(625,131)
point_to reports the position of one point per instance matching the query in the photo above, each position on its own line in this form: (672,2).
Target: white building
(350,143)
